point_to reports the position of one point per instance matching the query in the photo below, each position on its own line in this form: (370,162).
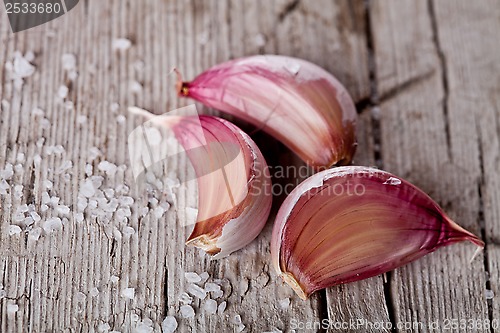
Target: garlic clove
(351,223)
(234,184)
(230,215)
(296,101)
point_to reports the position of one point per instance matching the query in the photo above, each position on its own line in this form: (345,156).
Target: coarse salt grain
(14,230)
(210,306)
(184,298)
(114,279)
(196,291)
(94,292)
(63,91)
(121,44)
(169,325)
(12,308)
(210,286)
(52,224)
(192,277)
(187,311)
(284,303)
(68,61)
(128,293)
(221,308)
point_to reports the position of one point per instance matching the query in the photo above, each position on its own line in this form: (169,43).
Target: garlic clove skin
(351,223)
(297,102)
(234,183)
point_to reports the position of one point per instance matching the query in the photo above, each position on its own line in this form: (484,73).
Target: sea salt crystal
(187,311)
(210,286)
(22,67)
(20,157)
(392,181)
(217,294)
(135,87)
(114,107)
(94,292)
(107,167)
(196,291)
(29,56)
(7,172)
(89,169)
(65,166)
(34,234)
(169,325)
(87,188)
(121,119)
(4,186)
(210,306)
(143,327)
(128,231)
(221,308)
(293,67)
(68,61)
(237,320)
(121,44)
(14,230)
(260,40)
(192,277)
(204,277)
(94,153)
(184,298)
(63,91)
(284,303)
(12,308)
(79,217)
(103,328)
(114,279)
(35,216)
(37,112)
(63,209)
(128,293)
(18,191)
(52,224)
(489,294)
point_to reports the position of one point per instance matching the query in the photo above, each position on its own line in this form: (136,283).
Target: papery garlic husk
(234,183)
(297,102)
(351,223)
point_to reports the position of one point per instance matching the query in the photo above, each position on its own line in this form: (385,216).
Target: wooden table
(425,77)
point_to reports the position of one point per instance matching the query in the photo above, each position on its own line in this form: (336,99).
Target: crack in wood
(482,222)
(444,74)
(289,8)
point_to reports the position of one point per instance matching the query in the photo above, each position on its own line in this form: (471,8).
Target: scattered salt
(114,107)
(135,87)
(62,209)
(187,311)
(81,119)
(94,292)
(52,224)
(184,298)
(65,166)
(204,277)
(217,294)
(121,119)
(143,327)
(210,306)
(79,217)
(14,230)
(20,157)
(12,308)
(87,188)
(284,303)
(489,294)
(68,61)
(293,67)
(89,169)
(169,325)
(237,319)
(36,112)
(114,279)
(128,293)
(221,308)
(22,67)
(210,286)
(196,291)
(392,181)
(128,231)
(107,167)
(63,91)
(34,234)
(260,40)
(192,277)
(121,44)
(94,153)
(103,328)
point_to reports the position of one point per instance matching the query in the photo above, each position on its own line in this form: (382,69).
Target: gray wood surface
(425,77)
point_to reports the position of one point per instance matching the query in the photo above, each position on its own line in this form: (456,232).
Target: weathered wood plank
(429,136)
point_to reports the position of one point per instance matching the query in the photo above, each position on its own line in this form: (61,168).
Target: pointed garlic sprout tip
(296,101)
(350,223)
